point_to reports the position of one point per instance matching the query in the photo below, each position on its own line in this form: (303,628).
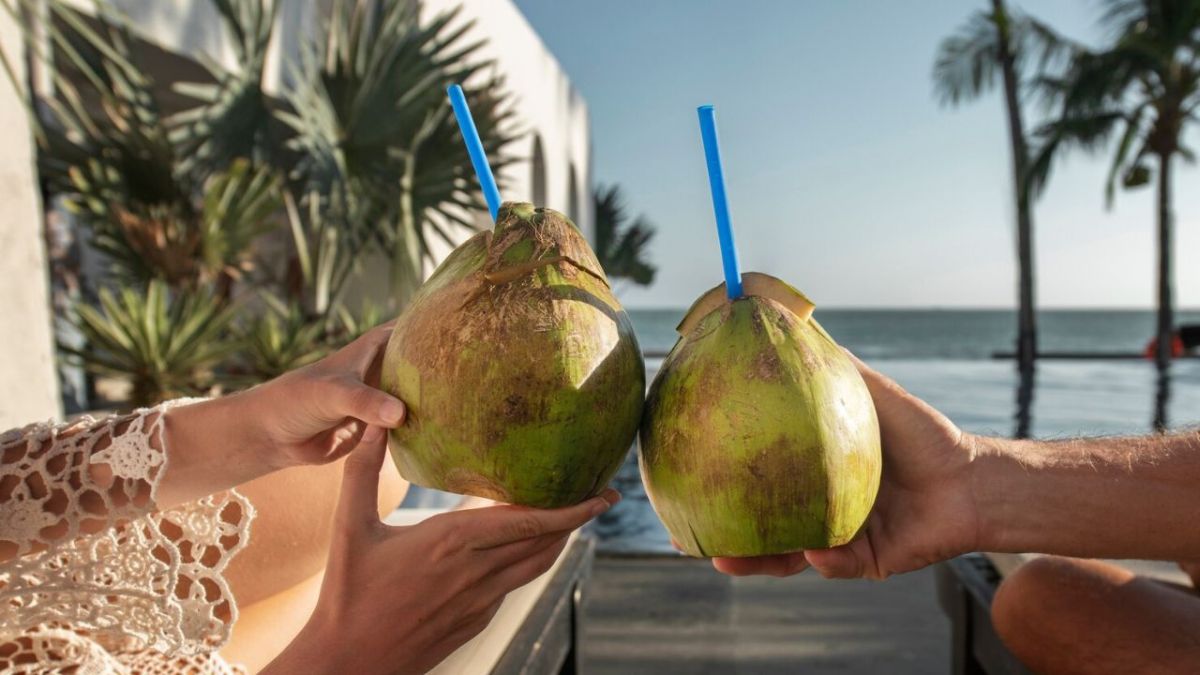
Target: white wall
(193,28)
(545,101)
(28,382)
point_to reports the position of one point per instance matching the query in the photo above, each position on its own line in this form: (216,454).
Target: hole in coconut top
(754,284)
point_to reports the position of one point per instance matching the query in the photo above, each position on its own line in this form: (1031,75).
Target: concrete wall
(28,382)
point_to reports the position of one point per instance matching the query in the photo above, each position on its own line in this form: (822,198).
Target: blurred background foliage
(228,220)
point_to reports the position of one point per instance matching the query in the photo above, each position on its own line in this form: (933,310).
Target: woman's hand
(401,599)
(925,511)
(313,415)
(319,413)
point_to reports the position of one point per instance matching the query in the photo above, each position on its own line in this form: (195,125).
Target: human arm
(944,493)
(61,481)
(401,599)
(313,415)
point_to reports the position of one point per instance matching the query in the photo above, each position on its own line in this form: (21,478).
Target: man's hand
(1192,569)
(925,511)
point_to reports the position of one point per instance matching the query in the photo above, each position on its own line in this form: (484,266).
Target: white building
(556,171)
(28,381)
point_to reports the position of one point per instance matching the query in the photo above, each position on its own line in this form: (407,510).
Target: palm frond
(233,116)
(1121,165)
(621,246)
(277,340)
(1142,84)
(164,343)
(371,125)
(1088,131)
(966,64)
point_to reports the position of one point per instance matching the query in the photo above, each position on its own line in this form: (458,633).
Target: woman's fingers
(345,437)
(499,525)
(349,397)
(358,504)
(521,571)
(509,554)
(784,565)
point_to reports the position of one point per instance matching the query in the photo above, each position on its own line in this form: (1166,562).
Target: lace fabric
(96,577)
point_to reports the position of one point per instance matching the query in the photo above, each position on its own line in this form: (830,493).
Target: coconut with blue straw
(759,435)
(522,376)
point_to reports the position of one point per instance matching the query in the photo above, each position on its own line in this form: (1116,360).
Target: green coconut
(522,376)
(759,435)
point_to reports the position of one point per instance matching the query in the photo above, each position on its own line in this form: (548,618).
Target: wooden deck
(678,616)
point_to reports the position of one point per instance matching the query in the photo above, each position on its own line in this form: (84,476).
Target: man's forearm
(1109,497)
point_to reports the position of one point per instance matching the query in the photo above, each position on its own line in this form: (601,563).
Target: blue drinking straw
(716,181)
(458,101)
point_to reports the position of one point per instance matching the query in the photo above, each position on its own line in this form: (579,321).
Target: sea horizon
(945,308)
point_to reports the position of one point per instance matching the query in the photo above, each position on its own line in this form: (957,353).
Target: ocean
(945,357)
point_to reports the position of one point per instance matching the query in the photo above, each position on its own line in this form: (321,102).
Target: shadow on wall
(537,163)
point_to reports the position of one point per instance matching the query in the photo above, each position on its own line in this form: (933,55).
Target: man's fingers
(899,411)
(784,565)
(352,398)
(499,525)
(881,386)
(358,502)
(841,562)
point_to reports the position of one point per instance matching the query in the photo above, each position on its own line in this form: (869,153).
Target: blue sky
(846,177)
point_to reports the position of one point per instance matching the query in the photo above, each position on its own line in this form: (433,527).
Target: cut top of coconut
(526,238)
(754,284)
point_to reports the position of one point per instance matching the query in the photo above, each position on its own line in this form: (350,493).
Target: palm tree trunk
(1026,316)
(1166,306)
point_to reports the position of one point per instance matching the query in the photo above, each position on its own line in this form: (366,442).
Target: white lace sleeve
(92,570)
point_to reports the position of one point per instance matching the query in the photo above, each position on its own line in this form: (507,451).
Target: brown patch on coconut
(465,482)
(785,481)
(767,365)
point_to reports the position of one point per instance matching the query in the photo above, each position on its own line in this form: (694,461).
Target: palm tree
(359,153)
(375,134)
(105,148)
(164,343)
(1145,88)
(620,245)
(363,132)
(1001,44)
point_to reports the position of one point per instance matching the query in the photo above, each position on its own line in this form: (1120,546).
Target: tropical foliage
(1003,46)
(1143,89)
(272,198)
(165,344)
(278,340)
(621,245)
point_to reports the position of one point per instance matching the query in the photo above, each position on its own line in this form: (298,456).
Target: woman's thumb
(358,502)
